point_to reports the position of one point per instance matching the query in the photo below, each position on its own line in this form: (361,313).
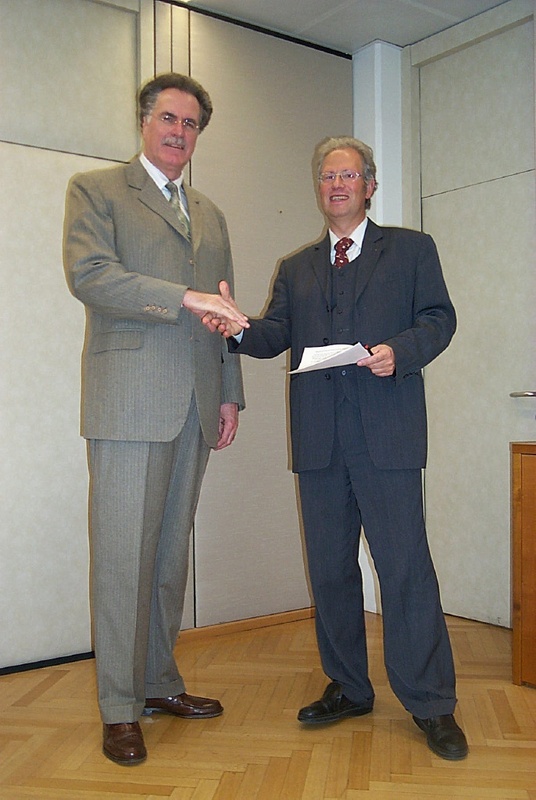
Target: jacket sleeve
(232,384)
(271,335)
(434,317)
(95,273)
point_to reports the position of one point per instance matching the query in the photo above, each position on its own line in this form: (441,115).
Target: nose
(338,181)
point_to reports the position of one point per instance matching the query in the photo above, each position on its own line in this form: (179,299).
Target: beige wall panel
(488,259)
(68,81)
(464,140)
(44,604)
(69,73)
(172,50)
(44,594)
(273,101)
(162,36)
(180,47)
(482,218)
(490,23)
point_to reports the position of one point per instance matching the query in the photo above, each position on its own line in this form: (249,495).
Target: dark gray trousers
(351,492)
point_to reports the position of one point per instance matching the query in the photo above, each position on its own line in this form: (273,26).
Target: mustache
(174,140)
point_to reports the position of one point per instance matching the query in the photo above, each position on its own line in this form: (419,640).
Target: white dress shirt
(357,238)
(160,179)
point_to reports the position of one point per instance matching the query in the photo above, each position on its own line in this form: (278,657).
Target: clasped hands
(220,313)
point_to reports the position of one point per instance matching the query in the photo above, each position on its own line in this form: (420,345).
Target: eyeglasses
(170,120)
(345,175)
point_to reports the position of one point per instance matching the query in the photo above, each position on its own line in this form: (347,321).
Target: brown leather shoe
(123,743)
(185,705)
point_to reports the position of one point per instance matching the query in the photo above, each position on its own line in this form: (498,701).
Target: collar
(158,177)
(356,236)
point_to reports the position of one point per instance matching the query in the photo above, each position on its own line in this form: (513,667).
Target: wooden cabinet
(523,468)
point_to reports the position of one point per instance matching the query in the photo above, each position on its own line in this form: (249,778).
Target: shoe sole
(124,762)
(148,711)
(357,712)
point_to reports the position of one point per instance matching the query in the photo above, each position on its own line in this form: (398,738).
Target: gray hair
(331,143)
(148,95)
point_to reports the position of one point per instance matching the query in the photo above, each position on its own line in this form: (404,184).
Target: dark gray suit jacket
(401,300)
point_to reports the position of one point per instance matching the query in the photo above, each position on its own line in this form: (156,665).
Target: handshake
(218,312)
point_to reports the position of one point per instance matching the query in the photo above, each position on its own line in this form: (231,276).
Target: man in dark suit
(145,254)
(359,441)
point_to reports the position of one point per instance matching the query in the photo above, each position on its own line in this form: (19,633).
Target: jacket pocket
(117,340)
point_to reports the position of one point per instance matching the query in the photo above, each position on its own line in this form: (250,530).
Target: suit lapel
(150,195)
(370,253)
(196,217)
(321,266)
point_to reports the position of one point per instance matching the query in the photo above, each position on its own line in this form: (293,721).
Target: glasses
(171,120)
(345,175)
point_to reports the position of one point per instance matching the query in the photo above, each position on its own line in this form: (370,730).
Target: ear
(371,188)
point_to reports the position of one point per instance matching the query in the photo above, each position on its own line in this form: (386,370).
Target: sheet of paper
(332,355)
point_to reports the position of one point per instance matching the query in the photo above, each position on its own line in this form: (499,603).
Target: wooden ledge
(239,625)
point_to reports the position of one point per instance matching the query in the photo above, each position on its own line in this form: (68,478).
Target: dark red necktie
(341,248)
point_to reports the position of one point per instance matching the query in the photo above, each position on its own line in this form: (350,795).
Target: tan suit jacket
(144,355)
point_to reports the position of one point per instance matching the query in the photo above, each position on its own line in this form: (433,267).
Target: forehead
(177,102)
(344,158)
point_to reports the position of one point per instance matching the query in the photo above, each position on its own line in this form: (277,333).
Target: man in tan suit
(145,254)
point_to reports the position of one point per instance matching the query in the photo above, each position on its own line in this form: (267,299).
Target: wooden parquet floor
(50,735)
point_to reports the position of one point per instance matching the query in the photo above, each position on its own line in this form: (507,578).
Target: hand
(381,362)
(217,311)
(217,322)
(228,425)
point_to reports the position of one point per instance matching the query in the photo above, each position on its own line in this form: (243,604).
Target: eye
(190,124)
(167,118)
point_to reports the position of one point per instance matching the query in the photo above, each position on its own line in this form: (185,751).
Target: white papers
(332,355)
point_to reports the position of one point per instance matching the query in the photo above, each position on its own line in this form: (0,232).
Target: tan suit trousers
(143,497)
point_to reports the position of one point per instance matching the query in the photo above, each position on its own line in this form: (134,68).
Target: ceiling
(348,25)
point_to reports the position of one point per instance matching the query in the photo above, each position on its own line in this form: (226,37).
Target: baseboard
(48,662)
(209,630)
(236,626)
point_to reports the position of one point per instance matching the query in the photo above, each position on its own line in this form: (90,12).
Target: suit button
(327,376)
(343,373)
(326,341)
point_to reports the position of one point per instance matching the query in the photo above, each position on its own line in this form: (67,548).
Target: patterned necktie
(174,200)
(341,248)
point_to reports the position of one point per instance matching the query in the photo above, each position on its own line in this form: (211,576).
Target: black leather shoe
(444,736)
(332,706)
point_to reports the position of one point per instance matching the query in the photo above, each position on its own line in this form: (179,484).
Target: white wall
(255,162)
(478,200)
(68,82)
(56,120)
(377,81)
